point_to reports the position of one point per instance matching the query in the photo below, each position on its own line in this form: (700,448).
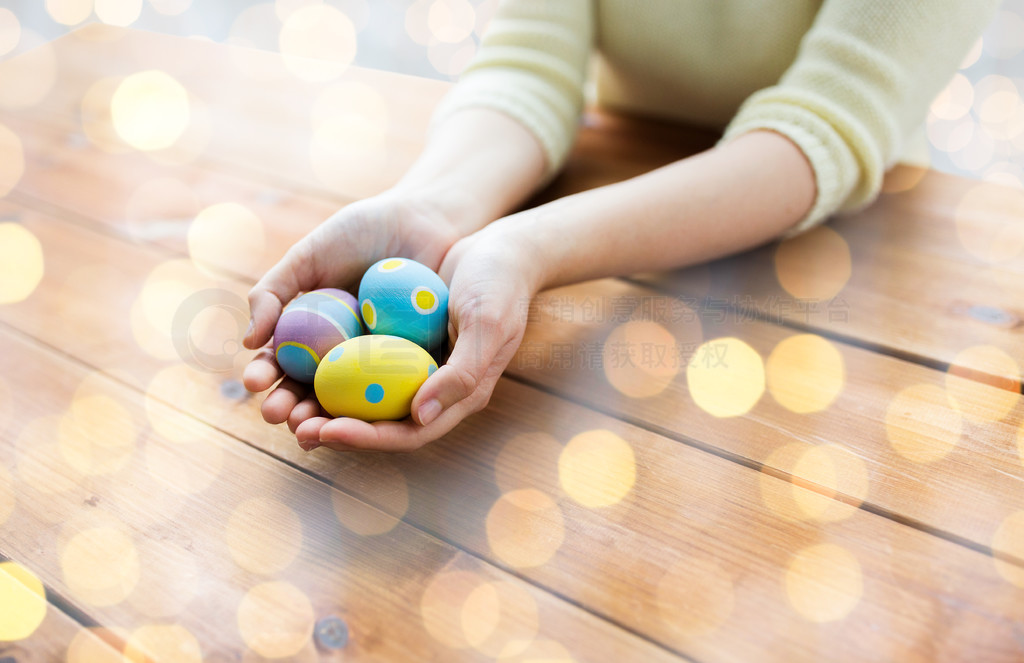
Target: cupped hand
(335,254)
(492,279)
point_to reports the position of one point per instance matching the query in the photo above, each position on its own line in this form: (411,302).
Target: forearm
(734,197)
(477,166)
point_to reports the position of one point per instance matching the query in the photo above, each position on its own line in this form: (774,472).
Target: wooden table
(809,452)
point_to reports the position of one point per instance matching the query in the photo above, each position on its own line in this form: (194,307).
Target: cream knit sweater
(848,81)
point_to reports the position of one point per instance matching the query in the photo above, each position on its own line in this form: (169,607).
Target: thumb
(474,365)
(291,275)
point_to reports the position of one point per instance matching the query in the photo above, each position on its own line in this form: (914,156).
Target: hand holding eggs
(321,338)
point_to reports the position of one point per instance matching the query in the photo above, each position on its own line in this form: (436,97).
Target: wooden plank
(912,273)
(985,492)
(141,516)
(680,511)
(35,629)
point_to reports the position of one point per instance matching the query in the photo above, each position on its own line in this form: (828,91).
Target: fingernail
(309,446)
(429,411)
(252,326)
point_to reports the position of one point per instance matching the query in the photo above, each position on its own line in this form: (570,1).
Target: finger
(262,372)
(307,408)
(474,357)
(308,435)
(355,435)
(280,402)
(295,272)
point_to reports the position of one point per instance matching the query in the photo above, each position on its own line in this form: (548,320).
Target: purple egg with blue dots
(401,297)
(310,326)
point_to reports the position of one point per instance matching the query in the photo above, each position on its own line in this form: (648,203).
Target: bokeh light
(805,373)
(150,110)
(1006,35)
(10,31)
(499,619)
(815,265)
(451,59)
(417,17)
(921,425)
(988,224)
(22,602)
(164,290)
(69,12)
(170,7)
(1008,540)
(226,235)
(97,434)
(441,606)
(822,473)
(383,497)
(318,42)
(275,619)
(824,582)
(21,262)
(640,358)
(694,597)
(348,154)
(597,468)
(247,539)
(955,100)
(451,21)
(162,642)
(97,645)
(97,123)
(12,164)
(983,383)
(118,12)
(726,377)
(100,565)
(525,528)
(528,460)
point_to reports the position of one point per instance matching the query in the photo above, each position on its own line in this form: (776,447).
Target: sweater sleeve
(862,82)
(531,65)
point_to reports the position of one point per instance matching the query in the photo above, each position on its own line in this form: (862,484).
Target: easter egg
(372,377)
(401,297)
(312,324)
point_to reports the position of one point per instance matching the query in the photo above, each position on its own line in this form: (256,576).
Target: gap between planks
(83,221)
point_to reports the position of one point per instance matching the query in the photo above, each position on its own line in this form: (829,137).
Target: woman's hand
(336,254)
(492,279)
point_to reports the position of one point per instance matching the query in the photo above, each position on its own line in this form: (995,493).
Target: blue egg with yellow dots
(401,297)
(372,378)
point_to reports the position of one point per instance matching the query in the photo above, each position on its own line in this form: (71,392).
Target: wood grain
(614,560)
(189,523)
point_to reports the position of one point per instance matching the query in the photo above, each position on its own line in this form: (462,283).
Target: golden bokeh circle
(150,110)
(97,434)
(383,498)
(442,603)
(805,373)
(247,539)
(921,425)
(169,579)
(97,645)
(275,619)
(1008,541)
(499,619)
(22,602)
(21,263)
(12,160)
(162,642)
(226,235)
(823,472)
(815,265)
(597,468)
(983,383)
(955,100)
(528,460)
(726,377)
(824,583)
(987,219)
(640,358)
(100,565)
(27,84)
(318,42)
(121,13)
(525,528)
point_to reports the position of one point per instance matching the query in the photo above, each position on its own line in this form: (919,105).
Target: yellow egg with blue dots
(372,378)
(402,297)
